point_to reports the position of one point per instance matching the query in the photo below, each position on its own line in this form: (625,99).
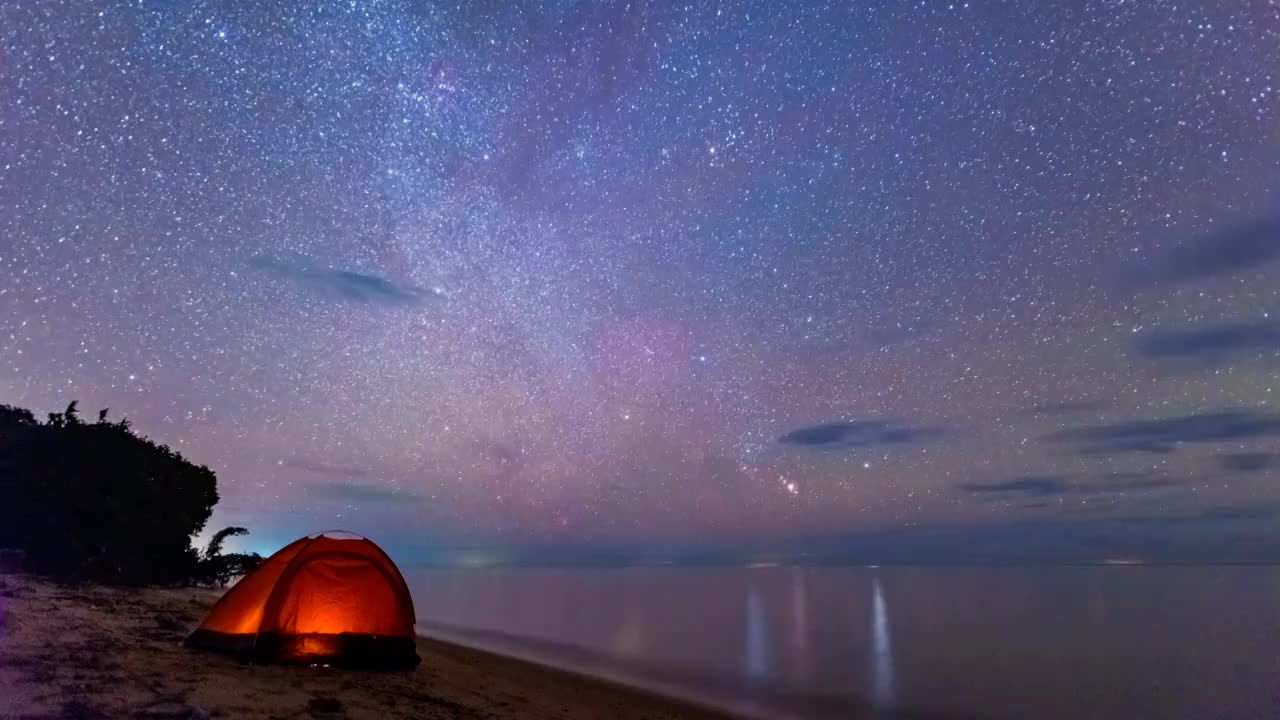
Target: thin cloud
(348,285)
(1246,462)
(1043,486)
(1031,486)
(856,434)
(1240,513)
(1165,435)
(1211,342)
(1126,483)
(1241,247)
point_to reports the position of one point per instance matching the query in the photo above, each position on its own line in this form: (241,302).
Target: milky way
(579,274)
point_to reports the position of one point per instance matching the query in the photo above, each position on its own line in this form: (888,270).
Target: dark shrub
(96,500)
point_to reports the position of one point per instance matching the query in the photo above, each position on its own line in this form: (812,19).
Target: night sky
(898,279)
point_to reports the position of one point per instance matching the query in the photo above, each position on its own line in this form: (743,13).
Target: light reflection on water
(881,649)
(782,642)
(757,639)
(799,625)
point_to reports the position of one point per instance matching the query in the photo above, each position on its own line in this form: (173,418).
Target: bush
(215,568)
(96,500)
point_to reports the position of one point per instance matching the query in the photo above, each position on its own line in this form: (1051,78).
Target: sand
(87,651)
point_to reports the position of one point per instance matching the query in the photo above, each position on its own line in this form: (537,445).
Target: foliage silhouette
(215,568)
(97,501)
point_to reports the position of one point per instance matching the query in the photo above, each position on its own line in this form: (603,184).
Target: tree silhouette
(214,549)
(16,417)
(98,501)
(215,568)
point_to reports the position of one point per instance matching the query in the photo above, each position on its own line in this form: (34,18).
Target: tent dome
(330,598)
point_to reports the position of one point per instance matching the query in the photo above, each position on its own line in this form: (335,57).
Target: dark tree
(216,568)
(98,501)
(214,548)
(11,416)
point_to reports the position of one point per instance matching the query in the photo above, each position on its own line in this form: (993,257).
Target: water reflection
(881,648)
(631,638)
(757,639)
(799,655)
(1055,643)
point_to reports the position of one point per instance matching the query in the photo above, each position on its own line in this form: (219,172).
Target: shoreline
(678,706)
(91,651)
(711,696)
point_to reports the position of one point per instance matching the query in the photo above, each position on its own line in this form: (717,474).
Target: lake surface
(778,642)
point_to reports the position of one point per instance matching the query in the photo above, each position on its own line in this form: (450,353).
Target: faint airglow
(477,558)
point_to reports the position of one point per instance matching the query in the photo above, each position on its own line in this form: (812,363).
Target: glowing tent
(332,598)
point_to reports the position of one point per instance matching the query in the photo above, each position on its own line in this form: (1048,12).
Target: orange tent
(328,598)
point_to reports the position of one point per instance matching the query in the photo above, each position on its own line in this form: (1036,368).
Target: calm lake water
(1061,642)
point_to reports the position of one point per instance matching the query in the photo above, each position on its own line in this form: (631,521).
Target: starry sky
(547,279)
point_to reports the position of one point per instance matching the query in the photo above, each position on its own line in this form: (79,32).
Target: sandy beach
(88,651)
